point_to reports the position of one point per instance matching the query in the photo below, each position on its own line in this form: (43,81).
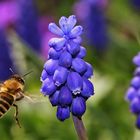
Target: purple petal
(136,60)
(82,52)
(78,106)
(72,21)
(64,25)
(54,98)
(44,75)
(74,82)
(135,82)
(57,43)
(50,66)
(76,31)
(77,40)
(130,94)
(63,113)
(55,29)
(60,76)
(89,71)
(73,48)
(135,106)
(88,88)
(48,87)
(79,65)
(53,54)
(65,60)
(65,97)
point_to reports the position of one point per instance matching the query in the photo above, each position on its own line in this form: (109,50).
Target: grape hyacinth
(133,93)
(65,74)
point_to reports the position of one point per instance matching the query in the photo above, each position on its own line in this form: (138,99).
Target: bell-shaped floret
(78,106)
(136,60)
(44,75)
(82,52)
(74,82)
(57,43)
(135,82)
(79,65)
(71,21)
(73,48)
(54,98)
(65,97)
(50,66)
(137,71)
(89,71)
(60,76)
(88,88)
(65,59)
(131,94)
(135,106)
(63,113)
(48,87)
(53,54)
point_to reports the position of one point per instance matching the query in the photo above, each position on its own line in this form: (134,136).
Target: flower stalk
(79,127)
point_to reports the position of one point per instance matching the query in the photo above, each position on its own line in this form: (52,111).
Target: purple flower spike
(136,60)
(60,76)
(50,66)
(63,113)
(55,29)
(78,106)
(65,75)
(133,92)
(88,88)
(65,97)
(54,98)
(65,59)
(57,43)
(138,122)
(48,87)
(79,65)
(75,82)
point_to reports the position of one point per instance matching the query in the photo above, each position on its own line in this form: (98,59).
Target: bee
(11,90)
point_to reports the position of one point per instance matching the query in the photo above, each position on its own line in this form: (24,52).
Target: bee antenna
(27,73)
(11,70)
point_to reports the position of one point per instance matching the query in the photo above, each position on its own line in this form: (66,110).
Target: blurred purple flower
(65,74)
(9,13)
(94,22)
(5,61)
(133,93)
(135,4)
(27,24)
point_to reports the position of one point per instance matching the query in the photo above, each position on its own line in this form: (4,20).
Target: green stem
(80,129)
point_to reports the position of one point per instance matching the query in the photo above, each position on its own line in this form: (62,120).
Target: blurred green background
(107,116)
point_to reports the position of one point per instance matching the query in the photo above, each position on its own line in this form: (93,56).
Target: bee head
(18,78)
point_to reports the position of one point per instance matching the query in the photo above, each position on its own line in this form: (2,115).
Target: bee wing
(34,98)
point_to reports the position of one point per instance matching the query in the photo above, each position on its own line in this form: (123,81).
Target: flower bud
(74,82)
(65,97)
(78,106)
(63,113)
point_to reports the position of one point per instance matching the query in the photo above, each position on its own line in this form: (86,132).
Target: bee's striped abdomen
(6,100)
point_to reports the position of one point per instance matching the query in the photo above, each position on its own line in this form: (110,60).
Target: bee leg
(16,115)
